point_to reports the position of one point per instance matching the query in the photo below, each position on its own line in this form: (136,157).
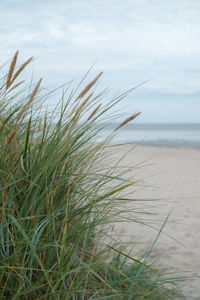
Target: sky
(132,41)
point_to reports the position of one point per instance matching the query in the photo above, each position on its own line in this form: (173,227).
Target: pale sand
(172,174)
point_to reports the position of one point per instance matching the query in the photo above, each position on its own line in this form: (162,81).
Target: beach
(172,175)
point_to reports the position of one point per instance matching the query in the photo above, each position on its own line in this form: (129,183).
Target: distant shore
(172,175)
(177,144)
(165,135)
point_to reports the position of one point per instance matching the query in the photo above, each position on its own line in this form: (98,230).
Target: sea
(168,135)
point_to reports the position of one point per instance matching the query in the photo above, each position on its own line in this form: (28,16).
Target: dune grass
(57,197)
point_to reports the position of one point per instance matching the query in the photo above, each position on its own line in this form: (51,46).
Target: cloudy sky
(131,41)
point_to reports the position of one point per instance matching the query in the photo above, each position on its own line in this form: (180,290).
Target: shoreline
(161,144)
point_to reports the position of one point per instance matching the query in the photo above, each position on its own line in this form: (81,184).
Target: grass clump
(56,194)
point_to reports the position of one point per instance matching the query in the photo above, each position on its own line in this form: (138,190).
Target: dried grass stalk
(16,85)
(85,101)
(79,110)
(11,69)
(88,87)
(36,142)
(25,108)
(76,119)
(21,69)
(132,117)
(72,111)
(12,136)
(22,164)
(40,126)
(80,107)
(34,92)
(94,112)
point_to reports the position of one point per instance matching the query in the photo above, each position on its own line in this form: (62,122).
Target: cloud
(135,39)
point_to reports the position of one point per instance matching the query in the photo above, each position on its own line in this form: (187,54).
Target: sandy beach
(172,175)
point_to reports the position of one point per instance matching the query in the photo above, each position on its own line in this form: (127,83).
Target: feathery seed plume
(88,87)
(73,110)
(21,69)
(25,108)
(85,101)
(34,92)
(11,69)
(16,85)
(94,112)
(76,119)
(132,117)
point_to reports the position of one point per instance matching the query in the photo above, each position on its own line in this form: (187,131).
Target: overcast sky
(131,41)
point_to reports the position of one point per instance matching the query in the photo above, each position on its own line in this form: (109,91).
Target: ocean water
(172,135)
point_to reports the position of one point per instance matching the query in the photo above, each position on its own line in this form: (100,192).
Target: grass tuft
(58,200)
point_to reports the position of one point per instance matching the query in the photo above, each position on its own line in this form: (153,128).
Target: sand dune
(171,174)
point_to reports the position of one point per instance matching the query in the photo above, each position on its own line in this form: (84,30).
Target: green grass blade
(32,250)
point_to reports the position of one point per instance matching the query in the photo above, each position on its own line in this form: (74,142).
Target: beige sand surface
(172,174)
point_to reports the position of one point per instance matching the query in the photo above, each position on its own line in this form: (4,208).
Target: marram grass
(57,196)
